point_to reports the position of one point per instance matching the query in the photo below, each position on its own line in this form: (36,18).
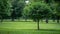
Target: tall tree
(58,13)
(17,6)
(3,8)
(37,10)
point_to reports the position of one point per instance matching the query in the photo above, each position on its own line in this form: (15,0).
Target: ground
(29,28)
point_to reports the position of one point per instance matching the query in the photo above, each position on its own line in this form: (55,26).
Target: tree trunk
(58,19)
(46,20)
(54,20)
(12,19)
(26,19)
(38,24)
(1,19)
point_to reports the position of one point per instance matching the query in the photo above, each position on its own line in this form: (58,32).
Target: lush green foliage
(17,7)
(38,10)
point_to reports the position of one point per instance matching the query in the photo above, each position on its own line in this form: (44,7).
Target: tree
(17,6)
(55,7)
(49,1)
(3,8)
(58,13)
(37,10)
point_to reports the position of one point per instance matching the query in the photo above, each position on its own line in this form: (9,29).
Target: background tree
(58,13)
(17,8)
(54,6)
(3,9)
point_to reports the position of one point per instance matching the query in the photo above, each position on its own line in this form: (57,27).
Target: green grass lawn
(29,28)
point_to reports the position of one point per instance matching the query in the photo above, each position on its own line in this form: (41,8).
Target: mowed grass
(29,28)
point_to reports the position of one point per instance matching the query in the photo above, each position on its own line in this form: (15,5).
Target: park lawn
(29,28)
(28,31)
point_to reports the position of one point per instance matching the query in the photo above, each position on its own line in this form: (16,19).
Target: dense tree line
(35,10)
(11,9)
